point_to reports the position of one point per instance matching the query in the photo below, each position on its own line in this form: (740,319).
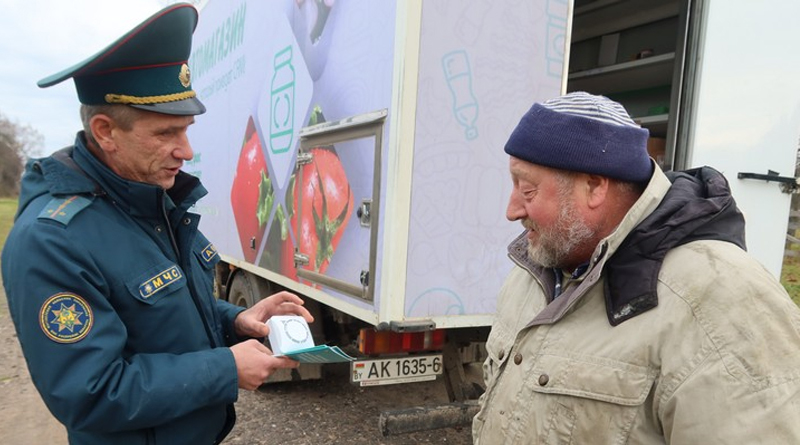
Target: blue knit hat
(584,133)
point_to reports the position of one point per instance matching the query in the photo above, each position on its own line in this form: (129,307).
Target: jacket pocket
(589,399)
(498,345)
(156,282)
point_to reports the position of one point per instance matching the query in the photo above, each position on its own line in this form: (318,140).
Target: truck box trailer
(353,154)
(353,150)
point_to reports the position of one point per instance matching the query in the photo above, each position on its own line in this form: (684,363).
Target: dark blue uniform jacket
(109,285)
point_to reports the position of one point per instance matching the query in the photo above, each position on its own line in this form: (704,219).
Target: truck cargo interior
(634,51)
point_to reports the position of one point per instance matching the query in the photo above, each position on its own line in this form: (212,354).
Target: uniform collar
(137,198)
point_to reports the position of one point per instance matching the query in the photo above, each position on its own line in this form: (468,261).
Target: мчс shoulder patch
(65,318)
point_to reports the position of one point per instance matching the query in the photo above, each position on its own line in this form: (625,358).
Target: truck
(353,150)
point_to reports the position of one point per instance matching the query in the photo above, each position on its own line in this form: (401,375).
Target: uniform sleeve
(228,313)
(75,343)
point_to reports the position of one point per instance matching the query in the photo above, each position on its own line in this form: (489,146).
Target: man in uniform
(108,278)
(633,315)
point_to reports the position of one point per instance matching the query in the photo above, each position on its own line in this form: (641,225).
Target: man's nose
(184,149)
(515,211)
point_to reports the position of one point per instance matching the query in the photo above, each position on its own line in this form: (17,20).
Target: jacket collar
(136,198)
(697,206)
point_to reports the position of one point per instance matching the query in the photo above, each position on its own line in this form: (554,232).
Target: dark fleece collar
(698,206)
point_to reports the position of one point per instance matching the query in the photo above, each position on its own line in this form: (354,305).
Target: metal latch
(788,184)
(304,158)
(300,259)
(363,212)
(412,326)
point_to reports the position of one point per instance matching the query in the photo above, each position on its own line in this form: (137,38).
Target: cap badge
(185,76)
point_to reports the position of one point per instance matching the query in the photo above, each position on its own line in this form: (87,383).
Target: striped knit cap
(584,133)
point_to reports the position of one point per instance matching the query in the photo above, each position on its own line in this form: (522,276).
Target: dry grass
(790,277)
(8,206)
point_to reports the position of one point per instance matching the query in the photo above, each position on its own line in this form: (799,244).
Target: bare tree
(17,143)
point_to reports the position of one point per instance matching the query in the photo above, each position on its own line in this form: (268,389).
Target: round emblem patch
(65,318)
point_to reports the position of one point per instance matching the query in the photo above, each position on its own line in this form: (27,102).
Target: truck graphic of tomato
(252,195)
(327,203)
(278,254)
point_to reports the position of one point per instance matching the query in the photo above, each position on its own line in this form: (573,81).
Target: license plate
(396,370)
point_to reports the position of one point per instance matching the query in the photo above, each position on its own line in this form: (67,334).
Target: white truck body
(452,79)
(452,88)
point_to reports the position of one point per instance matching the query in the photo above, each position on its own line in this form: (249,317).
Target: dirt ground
(329,411)
(23,417)
(335,412)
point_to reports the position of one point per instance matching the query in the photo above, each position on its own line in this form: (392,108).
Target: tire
(246,289)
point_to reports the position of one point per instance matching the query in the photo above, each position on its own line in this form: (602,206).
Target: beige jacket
(716,362)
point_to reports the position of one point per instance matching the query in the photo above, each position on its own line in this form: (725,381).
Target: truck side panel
(482,65)
(265,70)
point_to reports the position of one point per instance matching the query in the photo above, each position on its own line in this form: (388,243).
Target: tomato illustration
(327,203)
(287,266)
(278,254)
(252,195)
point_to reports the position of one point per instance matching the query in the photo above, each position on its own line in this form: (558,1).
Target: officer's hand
(255,363)
(251,322)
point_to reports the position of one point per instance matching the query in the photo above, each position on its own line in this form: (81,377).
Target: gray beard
(555,245)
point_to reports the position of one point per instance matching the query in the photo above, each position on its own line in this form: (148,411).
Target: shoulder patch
(65,208)
(66,318)
(209,252)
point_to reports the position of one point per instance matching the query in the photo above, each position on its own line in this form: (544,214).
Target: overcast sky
(42,37)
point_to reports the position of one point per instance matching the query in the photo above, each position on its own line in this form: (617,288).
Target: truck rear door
(744,99)
(714,83)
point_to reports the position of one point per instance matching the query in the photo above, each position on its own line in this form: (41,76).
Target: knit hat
(584,133)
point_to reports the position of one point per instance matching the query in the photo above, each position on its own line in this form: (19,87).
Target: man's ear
(596,190)
(103,128)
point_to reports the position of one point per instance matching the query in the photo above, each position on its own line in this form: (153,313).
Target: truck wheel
(246,289)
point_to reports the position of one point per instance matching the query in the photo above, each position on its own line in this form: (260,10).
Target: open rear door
(745,118)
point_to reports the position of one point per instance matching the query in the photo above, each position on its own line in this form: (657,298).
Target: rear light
(372,342)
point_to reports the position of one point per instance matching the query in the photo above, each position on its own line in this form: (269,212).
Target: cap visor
(186,107)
